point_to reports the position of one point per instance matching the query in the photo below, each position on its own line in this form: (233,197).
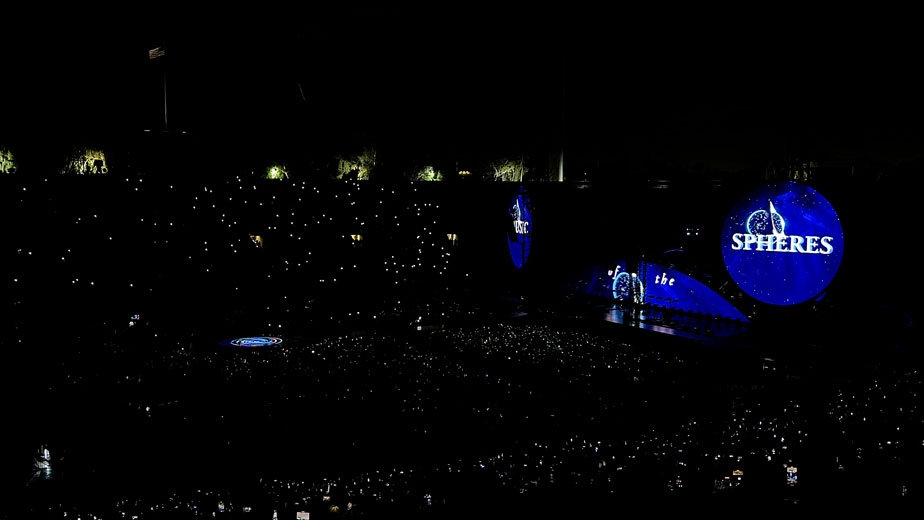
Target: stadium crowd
(485,416)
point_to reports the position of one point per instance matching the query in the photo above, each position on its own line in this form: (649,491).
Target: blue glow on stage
(659,286)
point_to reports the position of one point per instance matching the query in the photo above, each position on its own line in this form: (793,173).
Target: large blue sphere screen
(782,243)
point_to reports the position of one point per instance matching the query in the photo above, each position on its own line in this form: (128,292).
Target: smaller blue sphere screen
(519,230)
(782,243)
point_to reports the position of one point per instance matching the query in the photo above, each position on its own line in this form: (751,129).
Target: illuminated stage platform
(704,330)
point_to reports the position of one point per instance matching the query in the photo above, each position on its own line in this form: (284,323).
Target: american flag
(156,53)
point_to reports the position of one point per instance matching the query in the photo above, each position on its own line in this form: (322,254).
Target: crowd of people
(272,253)
(497,415)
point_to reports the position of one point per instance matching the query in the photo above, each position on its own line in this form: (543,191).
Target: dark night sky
(728,92)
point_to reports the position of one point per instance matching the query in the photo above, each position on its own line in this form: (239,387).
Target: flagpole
(153,54)
(166,128)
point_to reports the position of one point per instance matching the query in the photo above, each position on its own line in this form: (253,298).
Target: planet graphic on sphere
(763,222)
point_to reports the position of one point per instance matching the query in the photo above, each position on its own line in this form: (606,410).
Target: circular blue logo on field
(783,243)
(262,341)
